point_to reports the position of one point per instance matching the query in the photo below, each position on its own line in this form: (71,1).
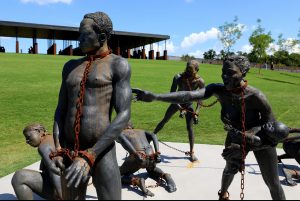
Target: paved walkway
(195,181)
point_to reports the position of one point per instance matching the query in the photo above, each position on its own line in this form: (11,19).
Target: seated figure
(136,142)
(291,146)
(44,183)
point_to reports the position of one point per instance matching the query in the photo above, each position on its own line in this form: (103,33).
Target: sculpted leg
(172,109)
(189,127)
(156,173)
(227,178)
(106,176)
(267,161)
(72,193)
(233,157)
(129,167)
(27,182)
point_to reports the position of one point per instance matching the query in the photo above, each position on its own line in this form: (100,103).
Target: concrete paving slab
(195,181)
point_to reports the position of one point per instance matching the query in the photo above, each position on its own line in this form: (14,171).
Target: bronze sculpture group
(84,133)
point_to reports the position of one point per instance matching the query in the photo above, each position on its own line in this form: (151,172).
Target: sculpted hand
(78,172)
(145,96)
(57,165)
(139,157)
(158,158)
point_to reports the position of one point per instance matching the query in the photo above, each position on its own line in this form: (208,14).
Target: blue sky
(191,24)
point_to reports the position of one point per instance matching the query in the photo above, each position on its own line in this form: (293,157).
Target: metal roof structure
(124,40)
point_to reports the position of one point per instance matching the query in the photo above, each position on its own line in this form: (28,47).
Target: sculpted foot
(223,196)
(142,186)
(193,158)
(171,186)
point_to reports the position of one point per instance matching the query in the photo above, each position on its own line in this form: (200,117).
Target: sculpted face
(231,75)
(88,39)
(33,138)
(192,68)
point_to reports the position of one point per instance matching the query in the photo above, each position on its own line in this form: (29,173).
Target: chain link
(242,195)
(174,148)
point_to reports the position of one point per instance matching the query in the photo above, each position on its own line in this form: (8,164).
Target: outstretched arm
(175,97)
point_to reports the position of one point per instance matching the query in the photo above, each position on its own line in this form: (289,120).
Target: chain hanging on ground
(187,153)
(242,195)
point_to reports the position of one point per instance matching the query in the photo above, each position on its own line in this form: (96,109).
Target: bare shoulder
(120,66)
(256,93)
(48,142)
(200,80)
(71,64)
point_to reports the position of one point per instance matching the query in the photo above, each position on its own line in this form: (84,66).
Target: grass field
(29,93)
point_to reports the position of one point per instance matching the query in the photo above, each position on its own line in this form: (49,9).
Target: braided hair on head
(103,23)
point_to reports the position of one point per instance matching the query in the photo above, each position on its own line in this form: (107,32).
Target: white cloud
(247,48)
(288,44)
(293,48)
(197,54)
(272,48)
(44,2)
(196,38)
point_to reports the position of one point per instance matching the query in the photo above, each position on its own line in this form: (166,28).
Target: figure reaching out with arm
(243,108)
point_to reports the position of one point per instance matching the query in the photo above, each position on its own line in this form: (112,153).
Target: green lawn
(29,93)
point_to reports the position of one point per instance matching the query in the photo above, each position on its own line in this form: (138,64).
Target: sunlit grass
(29,93)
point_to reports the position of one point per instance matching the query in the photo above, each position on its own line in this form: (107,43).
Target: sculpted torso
(138,140)
(232,107)
(96,106)
(185,84)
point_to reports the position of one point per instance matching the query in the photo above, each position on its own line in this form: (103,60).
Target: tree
(210,54)
(260,42)
(240,53)
(281,57)
(294,59)
(230,33)
(187,57)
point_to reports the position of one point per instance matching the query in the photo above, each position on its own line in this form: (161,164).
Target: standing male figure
(84,133)
(248,118)
(189,80)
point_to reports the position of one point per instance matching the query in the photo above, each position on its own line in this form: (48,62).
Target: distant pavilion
(122,43)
